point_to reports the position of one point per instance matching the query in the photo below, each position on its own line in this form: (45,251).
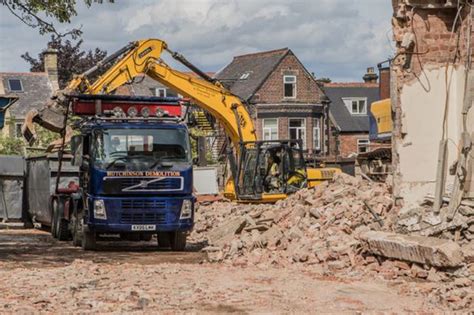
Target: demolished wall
(428,74)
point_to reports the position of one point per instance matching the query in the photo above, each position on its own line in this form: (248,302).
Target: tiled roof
(37,90)
(343,118)
(145,86)
(246,73)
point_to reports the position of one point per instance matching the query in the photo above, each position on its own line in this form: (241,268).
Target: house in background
(143,85)
(33,90)
(349,114)
(282,96)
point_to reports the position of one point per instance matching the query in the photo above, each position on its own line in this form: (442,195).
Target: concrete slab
(420,249)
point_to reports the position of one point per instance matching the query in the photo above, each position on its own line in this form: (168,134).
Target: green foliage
(11,145)
(30,12)
(71,60)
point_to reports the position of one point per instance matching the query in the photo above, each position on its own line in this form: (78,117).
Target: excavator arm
(144,57)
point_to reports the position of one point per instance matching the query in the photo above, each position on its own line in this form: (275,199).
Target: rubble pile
(422,221)
(316,226)
(344,226)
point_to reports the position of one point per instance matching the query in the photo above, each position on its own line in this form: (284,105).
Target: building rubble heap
(344,226)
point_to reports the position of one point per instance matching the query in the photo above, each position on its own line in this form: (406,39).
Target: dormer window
(356,105)
(160,92)
(15,85)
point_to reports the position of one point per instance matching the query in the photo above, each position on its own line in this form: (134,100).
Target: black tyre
(88,240)
(76,232)
(164,240)
(61,224)
(54,212)
(178,241)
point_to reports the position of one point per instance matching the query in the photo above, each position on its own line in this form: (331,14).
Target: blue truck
(135,173)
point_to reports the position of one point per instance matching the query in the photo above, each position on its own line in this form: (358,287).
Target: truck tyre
(178,241)
(88,240)
(62,225)
(164,240)
(54,211)
(76,231)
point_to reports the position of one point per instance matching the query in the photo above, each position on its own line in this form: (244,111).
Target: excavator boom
(144,57)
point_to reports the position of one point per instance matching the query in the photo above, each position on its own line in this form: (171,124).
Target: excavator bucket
(51,119)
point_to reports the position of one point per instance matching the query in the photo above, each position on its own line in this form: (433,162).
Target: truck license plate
(143,227)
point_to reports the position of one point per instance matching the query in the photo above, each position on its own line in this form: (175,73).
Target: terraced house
(281,94)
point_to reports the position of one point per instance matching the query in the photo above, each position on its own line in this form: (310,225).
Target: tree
(324,80)
(71,59)
(30,12)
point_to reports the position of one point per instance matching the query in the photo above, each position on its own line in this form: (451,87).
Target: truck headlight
(186,209)
(99,209)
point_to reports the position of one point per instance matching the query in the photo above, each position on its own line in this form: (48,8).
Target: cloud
(334,38)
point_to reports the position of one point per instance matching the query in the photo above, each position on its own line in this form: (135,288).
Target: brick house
(349,114)
(33,90)
(281,95)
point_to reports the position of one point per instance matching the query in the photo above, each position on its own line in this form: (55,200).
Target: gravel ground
(39,274)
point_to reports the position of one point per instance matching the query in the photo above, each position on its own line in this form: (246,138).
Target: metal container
(41,175)
(11,186)
(205,180)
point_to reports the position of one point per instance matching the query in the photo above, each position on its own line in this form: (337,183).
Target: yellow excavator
(249,159)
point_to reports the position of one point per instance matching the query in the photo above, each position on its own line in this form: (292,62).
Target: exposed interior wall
(429,68)
(421,128)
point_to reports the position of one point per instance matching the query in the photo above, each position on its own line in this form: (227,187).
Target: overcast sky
(333,38)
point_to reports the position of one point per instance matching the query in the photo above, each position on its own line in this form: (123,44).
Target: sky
(338,39)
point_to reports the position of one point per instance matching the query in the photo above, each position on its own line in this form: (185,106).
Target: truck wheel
(88,240)
(62,225)
(54,211)
(178,241)
(76,232)
(164,240)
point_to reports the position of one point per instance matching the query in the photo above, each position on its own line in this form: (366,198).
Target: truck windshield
(140,146)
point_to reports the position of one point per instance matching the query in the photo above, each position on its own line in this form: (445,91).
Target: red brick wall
(307,90)
(347,143)
(432,28)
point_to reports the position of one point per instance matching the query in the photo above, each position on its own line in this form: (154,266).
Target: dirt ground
(40,274)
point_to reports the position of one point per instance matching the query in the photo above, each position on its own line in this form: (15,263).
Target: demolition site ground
(38,273)
(342,246)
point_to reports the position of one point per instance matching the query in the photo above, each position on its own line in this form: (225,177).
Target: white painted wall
(422,104)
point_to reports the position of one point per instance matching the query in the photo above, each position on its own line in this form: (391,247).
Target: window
(317,135)
(363,145)
(297,130)
(270,129)
(15,85)
(160,92)
(245,76)
(289,82)
(356,105)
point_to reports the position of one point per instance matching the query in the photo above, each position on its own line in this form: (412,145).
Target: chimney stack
(50,56)
(384,83)
(370,76)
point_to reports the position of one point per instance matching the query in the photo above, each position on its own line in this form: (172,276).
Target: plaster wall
(422,104)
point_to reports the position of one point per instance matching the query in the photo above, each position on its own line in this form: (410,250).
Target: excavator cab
(269,170)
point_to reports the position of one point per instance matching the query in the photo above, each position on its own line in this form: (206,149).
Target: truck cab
(135,172)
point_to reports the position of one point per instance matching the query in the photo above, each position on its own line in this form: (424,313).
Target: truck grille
(151,184)
(141,205)
(143,218)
